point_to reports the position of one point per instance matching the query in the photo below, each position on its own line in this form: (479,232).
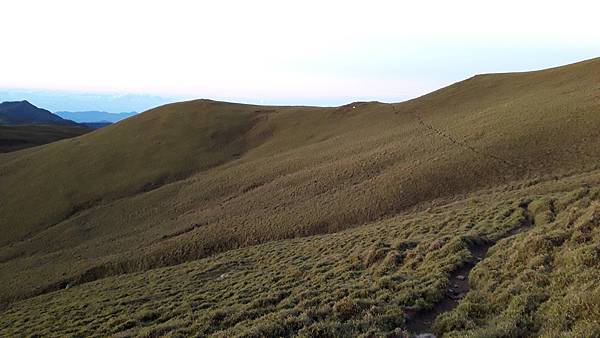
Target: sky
(104,55)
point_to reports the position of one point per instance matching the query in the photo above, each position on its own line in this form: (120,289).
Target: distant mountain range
(23,112)
(23,125)
(75,101)
(94,116)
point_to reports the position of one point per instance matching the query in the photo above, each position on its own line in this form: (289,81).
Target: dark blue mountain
(23,112)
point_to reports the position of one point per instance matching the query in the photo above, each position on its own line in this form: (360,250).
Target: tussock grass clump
(390,263)
(542,210)
(376,253)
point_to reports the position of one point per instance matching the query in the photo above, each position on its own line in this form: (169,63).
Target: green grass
(323,221)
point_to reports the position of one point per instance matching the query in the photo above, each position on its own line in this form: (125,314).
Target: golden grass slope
(187,180)
(116,161)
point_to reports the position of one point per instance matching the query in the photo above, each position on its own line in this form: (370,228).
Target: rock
(425,335)
(460,277)
(451,290)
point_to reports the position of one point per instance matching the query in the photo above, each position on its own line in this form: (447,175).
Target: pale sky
(294,52)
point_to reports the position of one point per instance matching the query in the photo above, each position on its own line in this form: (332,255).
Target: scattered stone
(460,277)
(425,335)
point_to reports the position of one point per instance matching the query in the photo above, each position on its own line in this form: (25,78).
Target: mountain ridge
(23,112)
(94,116)
(23,125)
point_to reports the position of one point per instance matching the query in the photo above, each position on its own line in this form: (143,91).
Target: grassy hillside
(348,203)
(381,279)
(16,137)
(186,180)
(118,161)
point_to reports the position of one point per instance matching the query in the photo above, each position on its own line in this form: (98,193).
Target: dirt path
(457,142)
(458,286)
(420,323)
